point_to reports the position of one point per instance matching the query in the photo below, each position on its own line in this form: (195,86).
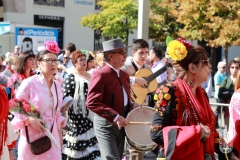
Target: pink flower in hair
(52,47)
(185,43)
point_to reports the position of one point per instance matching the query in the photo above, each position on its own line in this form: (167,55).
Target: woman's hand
(36,123)
(205,131)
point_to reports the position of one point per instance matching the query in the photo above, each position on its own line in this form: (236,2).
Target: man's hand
(141,81)
(134,105)
(121,122)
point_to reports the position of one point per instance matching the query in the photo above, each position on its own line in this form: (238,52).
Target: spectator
(90,63)
(70,47)
(60,57)
(226,89)
(218,78)
(16,50)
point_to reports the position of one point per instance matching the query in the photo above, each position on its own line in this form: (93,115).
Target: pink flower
(52,47)
(26,108)
(185,43)
(13,103)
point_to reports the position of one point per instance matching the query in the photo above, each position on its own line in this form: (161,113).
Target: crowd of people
(73,104)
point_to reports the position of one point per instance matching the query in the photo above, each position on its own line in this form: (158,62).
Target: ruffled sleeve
(165,111)
(23,93)
(68,89)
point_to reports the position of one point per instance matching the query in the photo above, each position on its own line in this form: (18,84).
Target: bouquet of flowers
(24,108)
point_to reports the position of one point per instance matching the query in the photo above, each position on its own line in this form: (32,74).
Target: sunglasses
(223,67)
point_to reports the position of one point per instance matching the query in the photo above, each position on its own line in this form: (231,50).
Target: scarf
(79,100)
(3,117)
(202,108)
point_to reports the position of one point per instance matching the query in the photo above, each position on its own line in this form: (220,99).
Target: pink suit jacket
(105,94)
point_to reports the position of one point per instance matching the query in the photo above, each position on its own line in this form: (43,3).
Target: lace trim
(80,154)
(85,136)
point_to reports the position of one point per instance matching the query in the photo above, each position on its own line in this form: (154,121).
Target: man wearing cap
(109,98)
(16,50)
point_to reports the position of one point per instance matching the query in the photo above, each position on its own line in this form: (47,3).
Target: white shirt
(124,91)
(155,68)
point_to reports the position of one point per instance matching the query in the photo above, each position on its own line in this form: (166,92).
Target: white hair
(8,54)
(220,64)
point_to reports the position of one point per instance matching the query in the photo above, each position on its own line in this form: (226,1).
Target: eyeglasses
(223,67)
(51,61)
(234,67)
(205,60)
(122,52)
(65,57)
(82,60)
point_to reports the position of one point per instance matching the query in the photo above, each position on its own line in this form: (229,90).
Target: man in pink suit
(109,98)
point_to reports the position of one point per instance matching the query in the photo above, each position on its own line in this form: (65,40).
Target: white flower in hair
(40,48)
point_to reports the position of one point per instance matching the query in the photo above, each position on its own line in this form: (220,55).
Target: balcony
(57,3)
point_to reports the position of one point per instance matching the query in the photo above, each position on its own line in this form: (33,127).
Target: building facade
(64,15)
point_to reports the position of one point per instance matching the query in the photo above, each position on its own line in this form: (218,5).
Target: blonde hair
(99,57)
(11,59)
(237,83)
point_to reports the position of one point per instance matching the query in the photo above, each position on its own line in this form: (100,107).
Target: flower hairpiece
(177,49)
(52,47)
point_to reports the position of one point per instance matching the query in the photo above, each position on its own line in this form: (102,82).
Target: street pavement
(211,100)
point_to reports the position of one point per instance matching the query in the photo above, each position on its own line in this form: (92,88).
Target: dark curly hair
(195,55)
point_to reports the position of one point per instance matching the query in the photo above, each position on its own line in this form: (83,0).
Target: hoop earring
(191,83)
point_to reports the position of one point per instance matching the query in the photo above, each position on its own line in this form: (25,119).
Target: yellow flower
(176,50)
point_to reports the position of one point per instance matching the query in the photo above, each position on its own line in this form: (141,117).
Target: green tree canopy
(215,22)
(117,18)
(161,21)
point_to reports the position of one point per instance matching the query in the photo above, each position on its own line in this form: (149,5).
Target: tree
(118,18)
(161,21)
(215,22)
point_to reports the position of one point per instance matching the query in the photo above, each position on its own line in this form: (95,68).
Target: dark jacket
(105,94)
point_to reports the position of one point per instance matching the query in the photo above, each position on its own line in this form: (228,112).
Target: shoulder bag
(43,144)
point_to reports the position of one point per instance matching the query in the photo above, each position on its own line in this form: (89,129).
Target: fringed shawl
(79,100)
(202,108)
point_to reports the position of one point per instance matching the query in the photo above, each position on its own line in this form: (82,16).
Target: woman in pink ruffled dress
(234,119)
(40,91)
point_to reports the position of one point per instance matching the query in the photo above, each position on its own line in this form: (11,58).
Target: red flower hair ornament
(52,47)
(185,43)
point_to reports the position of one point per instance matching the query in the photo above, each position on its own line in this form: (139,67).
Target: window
(57,3)
(97,6)
(98,39)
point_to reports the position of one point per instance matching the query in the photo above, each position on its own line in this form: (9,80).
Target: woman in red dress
(184,123)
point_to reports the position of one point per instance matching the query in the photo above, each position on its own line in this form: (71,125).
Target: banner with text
(29,39)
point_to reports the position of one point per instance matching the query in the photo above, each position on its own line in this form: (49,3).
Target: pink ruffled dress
(35,91)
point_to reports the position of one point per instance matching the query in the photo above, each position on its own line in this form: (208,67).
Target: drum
(138,135)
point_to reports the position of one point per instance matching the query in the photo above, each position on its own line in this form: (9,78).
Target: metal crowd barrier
(222,122)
